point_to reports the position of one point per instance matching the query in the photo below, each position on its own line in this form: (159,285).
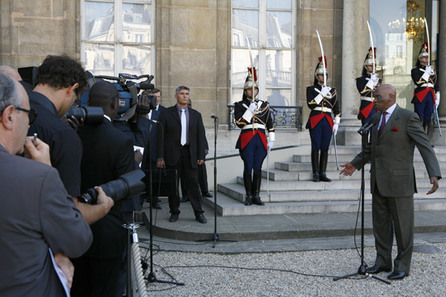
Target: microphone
(213,116)
(365,128)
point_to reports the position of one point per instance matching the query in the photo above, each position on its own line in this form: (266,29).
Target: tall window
(118,36)
(267,26)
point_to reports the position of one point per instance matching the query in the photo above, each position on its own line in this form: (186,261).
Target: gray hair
(8,92)
(181,88)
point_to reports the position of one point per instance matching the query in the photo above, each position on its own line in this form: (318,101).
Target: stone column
(355,44)
(435,137)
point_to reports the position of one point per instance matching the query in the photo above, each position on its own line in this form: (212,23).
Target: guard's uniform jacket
(257,125)
(327,108)
(367,107)
(423,88)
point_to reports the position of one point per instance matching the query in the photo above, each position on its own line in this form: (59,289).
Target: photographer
(37,216)
(108,154)
(59,81)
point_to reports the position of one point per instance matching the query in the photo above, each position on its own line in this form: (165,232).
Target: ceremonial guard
(366,85)
(323,102)
(427,91)
(253,116)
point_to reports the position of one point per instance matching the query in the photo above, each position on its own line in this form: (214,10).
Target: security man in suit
(395,134)
(324,105)
(427,90)
(253,116)
(181,147)
(366,85)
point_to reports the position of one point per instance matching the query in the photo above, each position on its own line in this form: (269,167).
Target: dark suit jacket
(36,213)
(168,143)
(108,154)
(392,153)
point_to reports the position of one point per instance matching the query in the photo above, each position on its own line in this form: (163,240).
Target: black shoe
(173,217)
(248,200)
(396,275)
(256,200)
(156,205)
(207,195)
(316,177)
(376,269)
(200,218)
(324,177)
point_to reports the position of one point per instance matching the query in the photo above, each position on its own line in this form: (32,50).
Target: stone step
(332,173)
(226,206)
(345,158)
(311,193)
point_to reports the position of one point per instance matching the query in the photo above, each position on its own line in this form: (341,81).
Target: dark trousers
(389,214)
(190,177)
(320,136)
(203,178)
(253,155)
(425,108)
(96,277)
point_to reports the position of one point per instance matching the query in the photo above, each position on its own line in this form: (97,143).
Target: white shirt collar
(107,117)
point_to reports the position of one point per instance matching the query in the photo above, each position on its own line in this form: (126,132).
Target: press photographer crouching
(107,158)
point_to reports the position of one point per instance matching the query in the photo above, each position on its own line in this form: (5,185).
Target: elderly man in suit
(181,146)
(395,134)
(37,216)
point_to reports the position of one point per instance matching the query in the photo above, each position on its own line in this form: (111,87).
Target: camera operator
(108,153)
(37,216)
(59,81)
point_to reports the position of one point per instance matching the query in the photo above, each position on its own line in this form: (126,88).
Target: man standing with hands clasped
(181,146)
(395,134)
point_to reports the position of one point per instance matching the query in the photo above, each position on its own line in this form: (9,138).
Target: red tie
(383,123)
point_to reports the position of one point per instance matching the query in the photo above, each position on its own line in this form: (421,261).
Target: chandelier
(414,23)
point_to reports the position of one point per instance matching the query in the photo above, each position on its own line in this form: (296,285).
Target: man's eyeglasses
(32,114)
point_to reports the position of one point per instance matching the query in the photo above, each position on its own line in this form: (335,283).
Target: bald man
(107,154)
(395,134)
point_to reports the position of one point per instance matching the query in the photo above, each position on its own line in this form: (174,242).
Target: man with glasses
(58,83)
(38,218)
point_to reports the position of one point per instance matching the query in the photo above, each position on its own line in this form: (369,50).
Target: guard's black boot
(256,179)
(248,187)
(315,165)
(323,167)
(426,126)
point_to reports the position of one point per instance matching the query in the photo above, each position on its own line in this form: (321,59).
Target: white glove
(372,81)
(335,129)
(427,73)
(325,91)
(250,111)
(437,99)
(270,145)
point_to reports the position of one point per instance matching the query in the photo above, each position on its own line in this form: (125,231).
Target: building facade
(205,44)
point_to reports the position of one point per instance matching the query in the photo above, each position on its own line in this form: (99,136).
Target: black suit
(108,154)
(182,158)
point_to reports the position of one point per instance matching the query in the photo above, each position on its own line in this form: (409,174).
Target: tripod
(215,236)
(362,270)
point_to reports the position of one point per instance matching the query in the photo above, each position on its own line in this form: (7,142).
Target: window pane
(145,1)
(281,4)
(237,95)
(278,29)
(136,23)
(245,3)
(136,60)
(240,64)
(99,21)
(245,24)
(99,59)
(278,68)
(279,97)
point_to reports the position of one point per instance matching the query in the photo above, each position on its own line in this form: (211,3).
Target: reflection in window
(268,29)
(117,36)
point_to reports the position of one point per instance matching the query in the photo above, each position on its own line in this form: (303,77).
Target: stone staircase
(289,189)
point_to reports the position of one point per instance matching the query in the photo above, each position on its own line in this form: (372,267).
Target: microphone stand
(362,270)
(215,236)
(151,276)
